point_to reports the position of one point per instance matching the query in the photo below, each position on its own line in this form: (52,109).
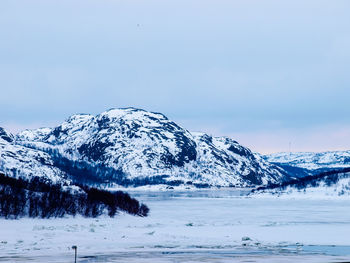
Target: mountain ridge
(133,145)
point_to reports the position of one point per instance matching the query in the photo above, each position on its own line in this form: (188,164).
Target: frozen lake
(192,226)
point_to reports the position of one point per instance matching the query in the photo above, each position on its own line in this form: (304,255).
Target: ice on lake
(191,226)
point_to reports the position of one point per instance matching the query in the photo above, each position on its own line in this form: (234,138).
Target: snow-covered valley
(191,226)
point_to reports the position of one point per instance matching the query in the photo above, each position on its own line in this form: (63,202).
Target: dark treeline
(328,178)
(40,198)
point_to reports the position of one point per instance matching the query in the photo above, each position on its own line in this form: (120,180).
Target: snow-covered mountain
(19,161)
(311,162)
(136,147)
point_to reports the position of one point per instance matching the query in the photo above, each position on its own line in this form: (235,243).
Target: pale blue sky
(263,72)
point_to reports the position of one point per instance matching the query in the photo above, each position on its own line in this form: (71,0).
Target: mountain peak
(131,113)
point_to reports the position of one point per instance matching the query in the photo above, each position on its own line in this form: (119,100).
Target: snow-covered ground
(191,226)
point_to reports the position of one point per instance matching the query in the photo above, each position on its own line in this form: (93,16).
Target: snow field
(192,225)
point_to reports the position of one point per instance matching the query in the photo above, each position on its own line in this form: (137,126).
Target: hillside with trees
(40,198)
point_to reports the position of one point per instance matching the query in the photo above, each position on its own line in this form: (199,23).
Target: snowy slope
(312,161)
(328,184)
(150,148)
(19,161)
(224,157)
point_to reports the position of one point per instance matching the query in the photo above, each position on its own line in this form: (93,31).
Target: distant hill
(331,183)
(307,163)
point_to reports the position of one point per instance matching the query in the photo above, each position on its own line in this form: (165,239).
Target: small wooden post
(75,248)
